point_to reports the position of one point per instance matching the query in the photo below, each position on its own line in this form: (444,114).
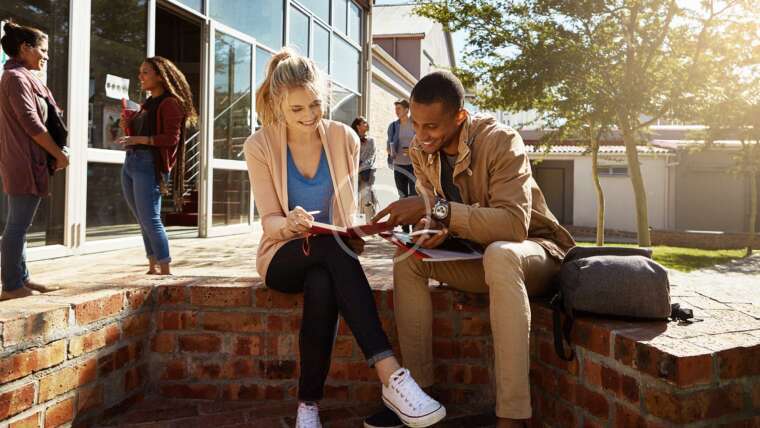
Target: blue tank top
(312,194)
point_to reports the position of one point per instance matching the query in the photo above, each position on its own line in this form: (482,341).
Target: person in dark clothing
(155,145)
(24,146)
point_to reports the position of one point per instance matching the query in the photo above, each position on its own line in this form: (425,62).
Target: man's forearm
(45,141)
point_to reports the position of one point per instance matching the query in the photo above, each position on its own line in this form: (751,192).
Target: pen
(313,212)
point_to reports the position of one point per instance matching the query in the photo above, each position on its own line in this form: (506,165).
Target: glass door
(227,203)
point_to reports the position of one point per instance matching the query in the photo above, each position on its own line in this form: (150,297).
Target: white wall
(620,204)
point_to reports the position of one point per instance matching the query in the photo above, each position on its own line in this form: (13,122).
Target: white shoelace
(308,415)
(414,397)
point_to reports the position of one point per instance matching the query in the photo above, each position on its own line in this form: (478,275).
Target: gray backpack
(610,281)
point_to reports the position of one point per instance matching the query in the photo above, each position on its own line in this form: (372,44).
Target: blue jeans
(143,195)
(21,210)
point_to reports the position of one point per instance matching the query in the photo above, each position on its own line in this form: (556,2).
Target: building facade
(222,46)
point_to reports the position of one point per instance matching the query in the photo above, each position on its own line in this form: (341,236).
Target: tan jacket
(266,156)
(502,201)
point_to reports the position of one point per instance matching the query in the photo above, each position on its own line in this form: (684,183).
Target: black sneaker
(384,418)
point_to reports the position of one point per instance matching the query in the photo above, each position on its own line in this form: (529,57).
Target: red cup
(127,113)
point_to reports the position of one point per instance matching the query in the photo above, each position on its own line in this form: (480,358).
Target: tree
(730,105)
(632,62)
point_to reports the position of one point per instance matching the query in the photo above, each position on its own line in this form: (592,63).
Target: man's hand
(356,244)
(405,211)
(61,161)
(431,240)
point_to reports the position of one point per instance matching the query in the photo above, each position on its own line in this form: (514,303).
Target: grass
(686,259)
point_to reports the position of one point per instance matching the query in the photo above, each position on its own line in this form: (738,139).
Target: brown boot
(17,294)
(41,288)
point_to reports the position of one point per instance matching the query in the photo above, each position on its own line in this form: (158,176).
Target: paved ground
(279,414)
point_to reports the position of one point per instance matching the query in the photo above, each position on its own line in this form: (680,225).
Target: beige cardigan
(266,156)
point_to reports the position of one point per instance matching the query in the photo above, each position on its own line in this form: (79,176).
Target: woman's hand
(61,161)
(298,221)
(125,121)
(132,141)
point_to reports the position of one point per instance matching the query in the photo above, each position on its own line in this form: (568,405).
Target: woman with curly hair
(155,148)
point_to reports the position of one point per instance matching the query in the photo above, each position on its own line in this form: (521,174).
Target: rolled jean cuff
(162,261)
(379,357)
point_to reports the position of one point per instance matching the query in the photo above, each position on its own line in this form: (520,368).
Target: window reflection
(321,54)
(345,63)
(299,31)
(232,96)
(261,19)
(231,198)
(345,107)
(117,47)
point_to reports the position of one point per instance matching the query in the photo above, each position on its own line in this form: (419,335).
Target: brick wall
(704,240)
(240,342)
(73,356)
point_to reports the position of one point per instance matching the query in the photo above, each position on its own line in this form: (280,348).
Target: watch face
(440,211)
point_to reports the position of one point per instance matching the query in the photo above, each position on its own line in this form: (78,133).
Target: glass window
(262,58)
(193,4)
(261,19)
(321,48)
(320,8)
(52,17)
(231,198)
(345,107)
(232,96)
(299,31)
(354,22)
(117,48)
(339,14)
(345,63)
(108,215)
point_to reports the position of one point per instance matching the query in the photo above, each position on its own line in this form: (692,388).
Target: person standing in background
(400,136)
(367,199)
(24,146)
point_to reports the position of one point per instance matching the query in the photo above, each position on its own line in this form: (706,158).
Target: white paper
(117,87)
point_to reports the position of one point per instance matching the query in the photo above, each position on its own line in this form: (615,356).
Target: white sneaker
(407,400)
(308,416)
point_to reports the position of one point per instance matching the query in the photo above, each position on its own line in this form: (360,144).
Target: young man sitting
(474,182)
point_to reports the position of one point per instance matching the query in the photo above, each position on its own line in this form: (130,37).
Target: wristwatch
(440,210)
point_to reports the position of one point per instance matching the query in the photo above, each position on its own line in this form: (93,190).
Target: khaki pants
(509,272)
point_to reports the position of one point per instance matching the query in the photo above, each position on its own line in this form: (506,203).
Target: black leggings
(332,282)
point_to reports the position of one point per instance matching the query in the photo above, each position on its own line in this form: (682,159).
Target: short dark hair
(16,35)
(402,102)
(440,86)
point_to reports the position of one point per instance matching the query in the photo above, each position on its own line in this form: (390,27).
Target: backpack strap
(562,332)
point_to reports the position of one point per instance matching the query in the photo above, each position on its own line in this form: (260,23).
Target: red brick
(172,295)
(628,418)
(197,391)
(750,422)
(16,401)
(739,362)
(473,348)
(281,346)
(694,406)
(205,371)
(470,302)
(565,416)
(756,395)
(548,355)
(239,368)
(475,327)
(200,343)
(21,364)
(99,308)
(220,296)
(541,317)
(339,392)
(366,393)
(593,402)
(590,336)
(441,301)
(242,392)
(177,320)
(31,421)
(443,327)
(592,372)
(134,378)
(343,329)
(174,370)
(233,322)
(89,397)
(282,369)
(567,388)
(164,343)
(664,359)
(95,340)
(136,298)
(26,327)
(64,380)
(344,347)
(119,358)
(248,345)
(60,413)
(136,325)
(445,349)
